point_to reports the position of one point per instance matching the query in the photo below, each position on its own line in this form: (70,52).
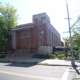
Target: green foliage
(44,56)
(8,20)
(67,42)
(66,39)
(53,56)
(69,58)
(61,56)
(76,34)
(33,48)
(3,55)
(76,56)
(8,13)
(75,76)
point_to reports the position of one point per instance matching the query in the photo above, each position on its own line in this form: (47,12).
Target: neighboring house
(40,34)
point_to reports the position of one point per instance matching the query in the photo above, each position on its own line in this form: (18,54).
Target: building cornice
(19,28)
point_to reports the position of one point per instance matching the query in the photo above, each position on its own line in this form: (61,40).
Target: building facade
(40,34)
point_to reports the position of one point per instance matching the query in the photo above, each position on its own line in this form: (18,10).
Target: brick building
(40,34)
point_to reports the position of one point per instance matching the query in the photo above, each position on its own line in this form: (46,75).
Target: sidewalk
(50,62)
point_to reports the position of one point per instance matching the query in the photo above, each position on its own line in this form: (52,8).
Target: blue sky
(56,10)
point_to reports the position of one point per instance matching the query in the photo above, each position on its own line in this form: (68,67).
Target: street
(17,71)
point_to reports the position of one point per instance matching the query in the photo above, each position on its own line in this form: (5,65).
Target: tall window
(39,22)
(52,38)
(40,27)
(56,40)
(40,35)
(40,42)
(49,37)
(25,34)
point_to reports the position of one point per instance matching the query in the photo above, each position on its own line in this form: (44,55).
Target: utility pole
(71,46)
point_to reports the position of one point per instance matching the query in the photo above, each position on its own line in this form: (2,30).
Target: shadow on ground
(21,64)
(77,70)
(27,63)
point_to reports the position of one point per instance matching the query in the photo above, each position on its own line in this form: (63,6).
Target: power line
(74,17)
(75,12)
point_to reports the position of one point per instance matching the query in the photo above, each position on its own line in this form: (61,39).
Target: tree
(8,20)
(67,42)
(76,35)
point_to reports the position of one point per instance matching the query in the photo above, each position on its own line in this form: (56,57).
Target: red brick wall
(10,41)
(46,27)
(23,43)
(34,38)
(54,31)
(45,31)
(35,41)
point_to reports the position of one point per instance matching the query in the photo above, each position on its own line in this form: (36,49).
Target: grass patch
(42,63)
(75,75)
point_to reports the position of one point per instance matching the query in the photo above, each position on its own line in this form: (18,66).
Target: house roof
(23,26)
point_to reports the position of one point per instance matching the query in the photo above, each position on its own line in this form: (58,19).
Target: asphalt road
(16,71)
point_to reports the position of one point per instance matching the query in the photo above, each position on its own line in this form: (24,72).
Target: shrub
(44,56)
(76,56)
(61,56)
(53,56)
(3,55)
(10,48)
(69,58)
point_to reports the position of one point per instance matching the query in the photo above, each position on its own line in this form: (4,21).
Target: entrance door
(26,45)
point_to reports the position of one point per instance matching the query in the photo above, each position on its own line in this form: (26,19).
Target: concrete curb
(38,63)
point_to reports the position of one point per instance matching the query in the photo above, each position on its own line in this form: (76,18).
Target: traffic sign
(65,32)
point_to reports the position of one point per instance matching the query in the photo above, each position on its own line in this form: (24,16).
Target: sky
(55,9)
